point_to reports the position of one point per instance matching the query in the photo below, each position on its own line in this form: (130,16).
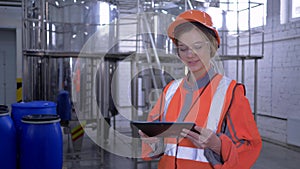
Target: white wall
(281,67)
(278,75)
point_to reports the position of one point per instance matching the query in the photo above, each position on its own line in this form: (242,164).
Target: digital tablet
(162,129)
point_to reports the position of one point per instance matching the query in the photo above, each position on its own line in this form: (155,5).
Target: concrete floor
(272,157)
(277,157)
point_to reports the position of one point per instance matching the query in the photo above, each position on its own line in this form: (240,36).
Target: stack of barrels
(30,136)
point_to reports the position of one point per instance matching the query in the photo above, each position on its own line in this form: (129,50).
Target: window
(237,13)
(289,10)
(295,8)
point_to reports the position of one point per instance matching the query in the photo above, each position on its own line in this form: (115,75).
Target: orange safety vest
(207,111)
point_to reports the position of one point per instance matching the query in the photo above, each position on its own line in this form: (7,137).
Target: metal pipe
(42,25)
(154,49)
(190,4)
(255,89)
(149,63)
(224,33)
(137,25)
(249,27)
(45,81)
(101,124)
(23,46)
(11,4)
(237,40)
(92,87)
(134,97)
(263,33)
(60,74)
(243,70)
(4,76)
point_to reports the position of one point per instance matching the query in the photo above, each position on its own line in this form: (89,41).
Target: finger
(183,134)
(190,133)
(203,139)
(187,135)
(196,141)
(192,139)
(198,144)
(198,128)
(206,132)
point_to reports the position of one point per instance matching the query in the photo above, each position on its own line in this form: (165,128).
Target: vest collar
(200,83)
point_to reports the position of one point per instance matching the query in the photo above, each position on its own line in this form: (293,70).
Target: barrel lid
(41,118)
(34,104)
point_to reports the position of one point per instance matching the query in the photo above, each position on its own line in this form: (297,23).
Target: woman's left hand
(206,138)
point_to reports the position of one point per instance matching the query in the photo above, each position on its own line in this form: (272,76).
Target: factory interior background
(113,57)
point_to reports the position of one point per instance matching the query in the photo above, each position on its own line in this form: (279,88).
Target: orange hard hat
(193,16)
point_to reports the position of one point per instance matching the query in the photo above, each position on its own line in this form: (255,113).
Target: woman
(226,135)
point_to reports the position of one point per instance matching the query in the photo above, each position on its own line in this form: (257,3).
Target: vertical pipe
(152,4)
(224,33)
(237,40)
(255,89)
(134,112)
(263,32)
(47,28)
(47,85)
(4,76)
(42,24)
(60,73)
(190,4)
(113,87)
(32,74)
(243,70)
(138,31)
(249,27)
(148,55)
(92,87)
(118,29)
(24,67)
(44,65)
(101,120)
(134,85)
(249,42)
(154,50)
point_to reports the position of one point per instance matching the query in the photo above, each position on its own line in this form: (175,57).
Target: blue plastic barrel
(8,152)
(41,142)
(64,105)
(26,108)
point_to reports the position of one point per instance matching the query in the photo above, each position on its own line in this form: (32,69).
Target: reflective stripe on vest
(170,93)
(214,115)
(217,103)
(187,153)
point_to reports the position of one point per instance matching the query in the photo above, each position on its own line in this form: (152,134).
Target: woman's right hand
(147,139)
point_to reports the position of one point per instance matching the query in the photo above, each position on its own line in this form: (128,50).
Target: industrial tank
(54,32)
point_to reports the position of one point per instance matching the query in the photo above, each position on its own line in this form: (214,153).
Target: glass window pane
(295,8)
